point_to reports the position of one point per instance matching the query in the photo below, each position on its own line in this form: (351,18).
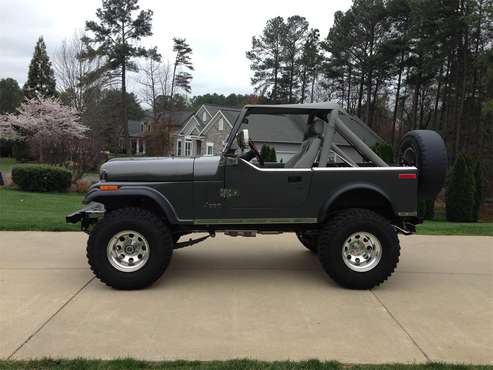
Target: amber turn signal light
(108,187)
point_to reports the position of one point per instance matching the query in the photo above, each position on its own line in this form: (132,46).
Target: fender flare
(344,189)
(96,195)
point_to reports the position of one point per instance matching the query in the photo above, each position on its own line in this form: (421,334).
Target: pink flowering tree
(53,131)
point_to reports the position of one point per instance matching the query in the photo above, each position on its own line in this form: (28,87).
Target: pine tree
(115,38)
(41,77)
(460,192)
(181,79)
(266,56)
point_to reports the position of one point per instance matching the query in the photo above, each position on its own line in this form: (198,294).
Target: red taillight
(403,176)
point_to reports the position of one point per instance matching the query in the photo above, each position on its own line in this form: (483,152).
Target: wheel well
(111,204)
(363,198)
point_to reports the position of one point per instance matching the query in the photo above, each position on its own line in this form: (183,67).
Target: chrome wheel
(128,251)
(361,251)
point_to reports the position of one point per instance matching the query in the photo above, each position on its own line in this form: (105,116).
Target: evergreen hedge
(461,192)
(41,178)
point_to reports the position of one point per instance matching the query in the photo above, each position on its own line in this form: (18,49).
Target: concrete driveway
(264,298)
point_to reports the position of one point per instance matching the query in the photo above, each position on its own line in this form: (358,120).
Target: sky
(219,32)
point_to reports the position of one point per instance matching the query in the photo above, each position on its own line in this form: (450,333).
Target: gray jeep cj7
(340,198)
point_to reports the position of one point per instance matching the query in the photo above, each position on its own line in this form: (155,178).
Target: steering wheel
(255,151)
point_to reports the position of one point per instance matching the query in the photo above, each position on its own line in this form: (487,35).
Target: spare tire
(426,150)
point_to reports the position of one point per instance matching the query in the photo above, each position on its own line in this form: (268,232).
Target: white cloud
(219,32)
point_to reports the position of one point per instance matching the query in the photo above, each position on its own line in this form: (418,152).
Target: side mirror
(243,138)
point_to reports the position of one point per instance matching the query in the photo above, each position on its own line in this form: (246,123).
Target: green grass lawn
(221,365)
(455,228)
(37,211)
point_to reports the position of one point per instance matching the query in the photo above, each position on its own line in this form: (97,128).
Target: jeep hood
(148,169)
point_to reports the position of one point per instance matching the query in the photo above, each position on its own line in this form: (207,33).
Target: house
(136,131)
(163,129)
(205,132)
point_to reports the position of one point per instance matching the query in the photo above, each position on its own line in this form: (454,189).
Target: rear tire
(309,240)
(426,150)
(130,248)
(358,248)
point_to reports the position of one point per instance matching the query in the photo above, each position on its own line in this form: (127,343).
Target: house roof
(230,113)
(177,118)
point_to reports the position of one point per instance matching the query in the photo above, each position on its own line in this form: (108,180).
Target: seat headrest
(314,129)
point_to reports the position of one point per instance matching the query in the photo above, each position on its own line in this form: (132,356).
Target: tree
(292,42)
(115,37)
(156,84)
(10,95)
(310,64)
(78,80)
(478,193)
(460,192)
(41,78)
(265,57)
(183,60)
(104,117)
(51,129)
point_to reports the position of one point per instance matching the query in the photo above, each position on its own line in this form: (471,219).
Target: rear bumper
(91,211)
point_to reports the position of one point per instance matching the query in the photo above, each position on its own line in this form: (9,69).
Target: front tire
(130,248)
(358,248)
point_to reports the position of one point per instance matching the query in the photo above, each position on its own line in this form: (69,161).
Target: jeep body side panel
(254,192)
(400,191)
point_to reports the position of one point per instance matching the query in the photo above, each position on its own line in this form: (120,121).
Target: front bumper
(87,215)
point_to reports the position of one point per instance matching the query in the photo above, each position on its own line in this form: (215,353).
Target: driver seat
(309,147)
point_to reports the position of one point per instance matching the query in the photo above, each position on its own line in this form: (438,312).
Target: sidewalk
(263,298)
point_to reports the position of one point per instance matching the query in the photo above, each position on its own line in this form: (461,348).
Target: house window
(221,124)
(204,116)
(188,148)
(210,148)
(141,127)
(179,148)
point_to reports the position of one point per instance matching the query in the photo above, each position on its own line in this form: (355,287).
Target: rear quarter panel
(329,183)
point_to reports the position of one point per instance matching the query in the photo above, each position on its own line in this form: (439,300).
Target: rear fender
(328,205)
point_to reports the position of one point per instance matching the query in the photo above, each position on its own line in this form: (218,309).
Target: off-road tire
(310,241)
(144,222)
(431,160)
(332,237)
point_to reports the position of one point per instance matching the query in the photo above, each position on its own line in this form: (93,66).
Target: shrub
(426,209)
(460,194)
(268,153)
(384,151)
(41,178)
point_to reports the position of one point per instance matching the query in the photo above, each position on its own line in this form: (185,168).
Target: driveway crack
(50,318)
(401,326)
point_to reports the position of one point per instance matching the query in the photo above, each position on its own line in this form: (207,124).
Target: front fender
(131,192)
